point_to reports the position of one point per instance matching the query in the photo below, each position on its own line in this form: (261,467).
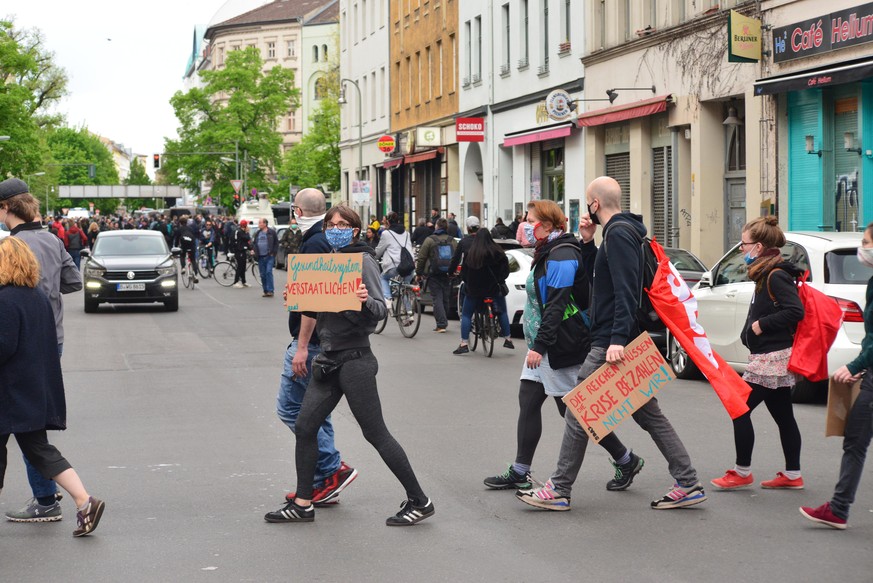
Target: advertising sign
(386,144)
(829,32)
(744,38)
(558,105)
(323,282)
(361,192)
(427,136)
(615,391)
(470,129)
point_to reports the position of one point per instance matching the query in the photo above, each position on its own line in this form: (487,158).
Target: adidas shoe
(508,479)
(544,497)
(411,514)
(680,497)
(291,513)
(624,473)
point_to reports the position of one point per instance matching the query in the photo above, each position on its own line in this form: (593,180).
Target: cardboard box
(323,282)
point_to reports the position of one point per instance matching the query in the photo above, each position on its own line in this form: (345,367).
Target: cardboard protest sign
(615,391)
(323,282)
(841,397)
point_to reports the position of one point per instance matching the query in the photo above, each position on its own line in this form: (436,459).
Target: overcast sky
(120,88)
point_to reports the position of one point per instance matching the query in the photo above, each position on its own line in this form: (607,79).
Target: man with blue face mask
(331,473)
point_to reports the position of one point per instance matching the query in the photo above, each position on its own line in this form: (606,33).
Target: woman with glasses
(347,367)
(768,333)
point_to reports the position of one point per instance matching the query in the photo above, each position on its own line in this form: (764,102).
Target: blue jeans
(265,265)
(40,486)
(291,392)
(472,304)
(77,257)
(859,431)
(386,281)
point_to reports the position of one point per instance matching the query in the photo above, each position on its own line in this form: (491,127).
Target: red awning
(422,156)
(537,135)
(391,162)
(599,117)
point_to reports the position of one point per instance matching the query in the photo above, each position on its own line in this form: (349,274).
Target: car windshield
(684,260)
(842,266)
(130,245)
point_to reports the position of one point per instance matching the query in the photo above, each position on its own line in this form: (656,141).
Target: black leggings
(531,396)
(240,267)
(45,457)
(778,402)
(357,381)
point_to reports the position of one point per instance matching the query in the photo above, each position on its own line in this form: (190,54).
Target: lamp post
(342,101)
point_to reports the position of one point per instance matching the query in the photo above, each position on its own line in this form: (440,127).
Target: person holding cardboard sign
(613,324)
(347,367)
(859,424)
(773,316)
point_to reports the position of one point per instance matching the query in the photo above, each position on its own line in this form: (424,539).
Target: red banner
(677,308)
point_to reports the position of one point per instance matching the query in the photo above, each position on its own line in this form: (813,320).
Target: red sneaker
(293,495)
(732,481)
(783,482)
(823,515)
(335,484)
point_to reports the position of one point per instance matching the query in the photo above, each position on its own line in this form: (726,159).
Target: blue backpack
(441,257)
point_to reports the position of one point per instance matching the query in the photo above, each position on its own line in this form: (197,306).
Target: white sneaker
(246,285)
(238,285)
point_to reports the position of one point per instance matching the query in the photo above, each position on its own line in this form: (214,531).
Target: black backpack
(647,318)
(407,263)
(441,255)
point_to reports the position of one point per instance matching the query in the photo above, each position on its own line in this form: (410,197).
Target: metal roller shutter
(618,167)
(662,201)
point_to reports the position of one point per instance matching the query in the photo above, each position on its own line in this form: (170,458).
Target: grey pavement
(172,422)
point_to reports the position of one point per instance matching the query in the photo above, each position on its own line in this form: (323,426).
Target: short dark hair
(442,224)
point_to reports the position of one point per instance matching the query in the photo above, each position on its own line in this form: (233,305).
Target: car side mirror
(176,251)
(706,279)
(85,252)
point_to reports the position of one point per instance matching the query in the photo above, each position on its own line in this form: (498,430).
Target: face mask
(865,256)
(593,215)
(539,233)
(748,258)
(294,227)
(339,238)
(528,232)
(306,222)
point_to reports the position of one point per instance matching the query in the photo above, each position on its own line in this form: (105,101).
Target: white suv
(725,292)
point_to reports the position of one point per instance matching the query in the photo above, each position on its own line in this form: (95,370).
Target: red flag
(677,308)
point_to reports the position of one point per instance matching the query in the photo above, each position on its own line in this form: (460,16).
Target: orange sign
(386,144)
(323,282)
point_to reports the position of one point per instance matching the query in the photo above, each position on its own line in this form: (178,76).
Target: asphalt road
(172,423)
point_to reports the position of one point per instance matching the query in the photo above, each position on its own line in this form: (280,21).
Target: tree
(137,175)
(237,110)
(73,150)
(316,159)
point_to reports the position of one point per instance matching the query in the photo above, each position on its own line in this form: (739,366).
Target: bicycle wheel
(474,331)
(188,275)
(225,273)
(203,265)
(256,272)
(409,314)
(488,332)
(380,325)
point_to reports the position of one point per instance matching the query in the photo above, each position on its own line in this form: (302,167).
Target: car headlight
(168,270)
(94,271)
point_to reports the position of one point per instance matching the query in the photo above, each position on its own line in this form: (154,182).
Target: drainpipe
(674,186)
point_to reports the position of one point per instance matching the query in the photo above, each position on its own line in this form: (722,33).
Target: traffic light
(253,165)
(157,161)
(92,171)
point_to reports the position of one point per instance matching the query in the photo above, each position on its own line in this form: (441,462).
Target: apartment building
(513,56)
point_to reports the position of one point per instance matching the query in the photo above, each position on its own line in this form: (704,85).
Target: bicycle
(224,272)
(485,327)
(406,307)
(206,261)
(189,273)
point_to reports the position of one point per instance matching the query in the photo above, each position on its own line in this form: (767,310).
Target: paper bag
(840,399)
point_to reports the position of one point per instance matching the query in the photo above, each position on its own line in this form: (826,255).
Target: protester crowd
(579,315)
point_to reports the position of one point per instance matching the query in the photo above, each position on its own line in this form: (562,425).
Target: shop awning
(391,162)
(538,135)
(616,113)
(422,156)
(812,78)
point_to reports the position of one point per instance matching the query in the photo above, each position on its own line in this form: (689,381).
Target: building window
(553,172)
(468,45)
(382,91)
(320,89)
(506,36)
(314,53)
(545,59)
(271,50)
(234,48)
(355,24)
(291,46)
(374,102)
(525,35)
(365,105)
(477,75)
(363,19)
(220,56)
(418,69)
(452,60)
(429,77)
(408,82)
(440,65)
(398,83)
(324,53)
(567,27)
(291,124)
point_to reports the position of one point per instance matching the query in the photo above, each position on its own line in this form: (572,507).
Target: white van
(254,210)
(78,213)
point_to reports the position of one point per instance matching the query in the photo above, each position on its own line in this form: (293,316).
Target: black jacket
(616,288)
(778,318)
(562,291)
(460,252)
(184,237)
(485,281)
(419,234)
(313,241)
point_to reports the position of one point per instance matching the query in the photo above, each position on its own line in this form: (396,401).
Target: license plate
(131,287)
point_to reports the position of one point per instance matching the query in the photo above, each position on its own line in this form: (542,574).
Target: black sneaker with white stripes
(410,514)
(291,512)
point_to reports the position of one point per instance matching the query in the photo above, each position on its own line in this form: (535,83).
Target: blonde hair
(18,264)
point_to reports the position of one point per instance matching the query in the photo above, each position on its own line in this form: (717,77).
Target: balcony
(564,48)
(465,82)
(504,70)
(477,79)
(543,70)
(523,64)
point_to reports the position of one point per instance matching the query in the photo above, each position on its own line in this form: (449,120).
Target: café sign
(830,32)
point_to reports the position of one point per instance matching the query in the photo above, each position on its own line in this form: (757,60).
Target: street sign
(386,144)
(237,184)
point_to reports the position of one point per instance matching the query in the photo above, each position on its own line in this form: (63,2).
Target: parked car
(687,264)
(280,254)
(130,267)
(520,262)
(725,291)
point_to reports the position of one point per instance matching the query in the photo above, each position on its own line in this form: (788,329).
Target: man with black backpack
(434,259)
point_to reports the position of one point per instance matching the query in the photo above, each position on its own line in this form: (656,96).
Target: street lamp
(342,101)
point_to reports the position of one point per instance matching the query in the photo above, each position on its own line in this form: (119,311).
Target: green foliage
(316,159)
(137,174)
(240,105)
(80,147)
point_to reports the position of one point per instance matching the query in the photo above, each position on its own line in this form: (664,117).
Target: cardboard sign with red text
(615,391)
(323,282)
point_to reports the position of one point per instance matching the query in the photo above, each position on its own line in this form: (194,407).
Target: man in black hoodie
(614,302)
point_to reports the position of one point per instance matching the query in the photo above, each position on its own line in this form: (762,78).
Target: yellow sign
(744,38)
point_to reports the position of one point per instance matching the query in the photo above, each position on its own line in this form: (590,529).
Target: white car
(520,261)
(725,292)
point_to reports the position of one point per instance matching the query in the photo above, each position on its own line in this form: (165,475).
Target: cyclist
(485,270)
(242,246)
(184,237)
(207,243)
